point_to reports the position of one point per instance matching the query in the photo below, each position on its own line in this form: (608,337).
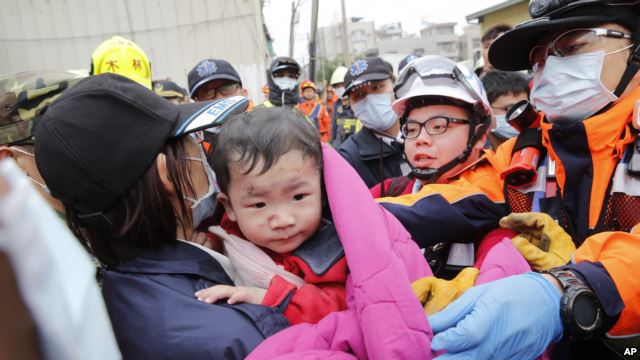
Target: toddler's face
(280,209)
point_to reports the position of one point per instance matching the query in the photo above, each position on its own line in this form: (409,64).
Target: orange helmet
(308,84)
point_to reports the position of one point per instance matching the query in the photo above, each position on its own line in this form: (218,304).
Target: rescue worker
(331,98)
(343,121)
(585,56)
(283,79)
(374,152)
(215,79)
(314,110)
(19,106)
(171,91)
(124,57)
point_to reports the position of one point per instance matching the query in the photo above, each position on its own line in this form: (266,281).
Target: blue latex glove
(511,318)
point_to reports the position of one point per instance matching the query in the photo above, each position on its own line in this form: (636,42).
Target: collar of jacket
(369,145)
(179,258)
(607,135)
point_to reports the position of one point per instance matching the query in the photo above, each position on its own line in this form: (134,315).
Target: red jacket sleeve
(311,302)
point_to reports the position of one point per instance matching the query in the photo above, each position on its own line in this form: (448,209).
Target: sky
(410,13)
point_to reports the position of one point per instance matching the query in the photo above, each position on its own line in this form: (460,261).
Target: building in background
(444,37)
(362,37)
(470,43)
(435,39)
(175,35)
(390,31)
(512,12)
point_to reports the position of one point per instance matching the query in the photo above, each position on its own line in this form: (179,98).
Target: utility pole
(292,24)
(312,40)
(345,40)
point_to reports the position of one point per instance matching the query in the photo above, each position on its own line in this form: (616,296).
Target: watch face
(584,310)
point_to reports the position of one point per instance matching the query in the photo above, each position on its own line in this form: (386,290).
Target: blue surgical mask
(375,112)
(569,89)
(503,129)
(204,206)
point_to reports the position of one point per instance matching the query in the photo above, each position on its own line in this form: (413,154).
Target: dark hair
(143,218)
(500,83)
(263,134)
(493,32)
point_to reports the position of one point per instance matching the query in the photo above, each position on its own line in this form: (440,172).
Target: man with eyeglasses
(215,79)
(585,56)
(444,119)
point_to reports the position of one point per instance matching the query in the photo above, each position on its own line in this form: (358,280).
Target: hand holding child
(234,294)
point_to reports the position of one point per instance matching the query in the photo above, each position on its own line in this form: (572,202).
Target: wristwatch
(580,311)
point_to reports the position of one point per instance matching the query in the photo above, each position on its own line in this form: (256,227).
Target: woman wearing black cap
(135,184)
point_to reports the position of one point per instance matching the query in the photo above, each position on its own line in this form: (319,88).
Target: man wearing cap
(170,91)
(374,151)
(214,79)
(48,280)
(283,78)
(19,106)
(585,56)
(124,57)
(315,111)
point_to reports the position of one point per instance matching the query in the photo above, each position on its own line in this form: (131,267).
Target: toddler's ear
(224,200)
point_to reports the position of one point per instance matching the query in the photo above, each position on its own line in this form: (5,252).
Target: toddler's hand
(207,240)
(234,294)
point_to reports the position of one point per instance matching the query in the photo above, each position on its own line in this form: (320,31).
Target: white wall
(175,35)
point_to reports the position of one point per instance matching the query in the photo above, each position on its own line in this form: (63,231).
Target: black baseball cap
(406,60)
(510,52)
(365,70)
(211,69)
(284,62)
(168,89)
(100,136)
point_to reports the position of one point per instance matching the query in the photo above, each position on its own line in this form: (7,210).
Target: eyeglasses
(224,90)
(434,126)
(575,42)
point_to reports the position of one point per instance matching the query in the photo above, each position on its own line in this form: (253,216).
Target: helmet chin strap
(633,63)
(431,175)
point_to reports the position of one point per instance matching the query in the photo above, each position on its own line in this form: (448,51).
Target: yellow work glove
(435,294)
(542,242)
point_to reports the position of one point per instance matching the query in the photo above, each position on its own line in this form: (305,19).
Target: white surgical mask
(285,83)
(205,206)
(339,91)
(375,112)
(503,129)
(569,89)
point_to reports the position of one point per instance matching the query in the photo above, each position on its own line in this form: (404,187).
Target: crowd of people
(432,211)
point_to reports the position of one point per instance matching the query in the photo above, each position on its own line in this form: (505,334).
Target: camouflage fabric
(23,96)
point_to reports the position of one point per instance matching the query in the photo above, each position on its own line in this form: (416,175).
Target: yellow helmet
(121,56)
